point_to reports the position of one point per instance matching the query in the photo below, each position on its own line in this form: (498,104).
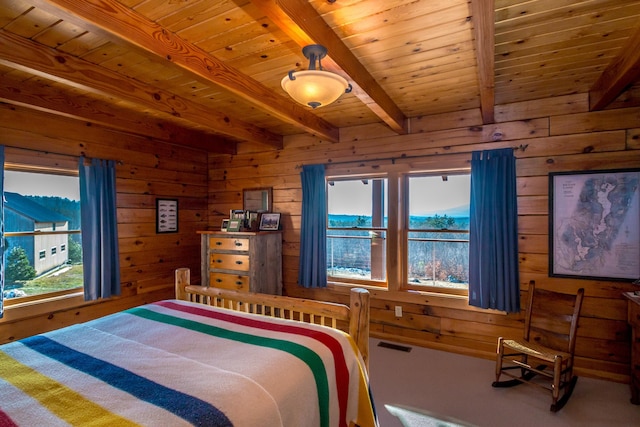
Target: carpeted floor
(455,387)
(413,417)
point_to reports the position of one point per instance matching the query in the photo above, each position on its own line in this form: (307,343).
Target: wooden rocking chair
(544,357)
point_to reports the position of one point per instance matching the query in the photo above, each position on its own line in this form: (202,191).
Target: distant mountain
(458,212)
(461,211)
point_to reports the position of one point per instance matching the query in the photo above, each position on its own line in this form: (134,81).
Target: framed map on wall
(594,224)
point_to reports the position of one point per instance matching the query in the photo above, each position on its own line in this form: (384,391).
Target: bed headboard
(356,315)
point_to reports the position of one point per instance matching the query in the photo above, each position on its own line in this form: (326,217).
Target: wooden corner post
(359,321)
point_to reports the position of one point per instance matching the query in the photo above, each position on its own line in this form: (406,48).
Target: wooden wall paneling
(569,104)
(533,243)
(532,185)
(604,329)
(475,331)
(74,138)
(596,121)
(633,139)
(604,302)
(532,224)
(464,118)
(572,144)
(578,162)
(408,321)
(536,263)
(618,372)
(40,159)
(533,205)
(603,350)
(596,288)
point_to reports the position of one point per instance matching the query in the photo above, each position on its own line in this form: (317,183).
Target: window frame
(52,165)
(381,284)
(425,288)
(397,175)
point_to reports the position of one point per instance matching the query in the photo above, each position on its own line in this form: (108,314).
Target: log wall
(558,134)
(146,169)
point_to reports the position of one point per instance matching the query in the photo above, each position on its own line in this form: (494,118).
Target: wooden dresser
(242,261)
(634,320)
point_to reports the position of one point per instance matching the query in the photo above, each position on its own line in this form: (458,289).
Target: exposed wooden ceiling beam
(300,21)
(482,14)
(44,97)
(622,72)
(20,53)
(114,19)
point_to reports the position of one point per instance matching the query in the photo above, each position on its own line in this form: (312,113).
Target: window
(430,226)
(42,213)
(356,234)
(438,231)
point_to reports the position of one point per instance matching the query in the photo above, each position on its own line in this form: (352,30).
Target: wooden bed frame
(309,311)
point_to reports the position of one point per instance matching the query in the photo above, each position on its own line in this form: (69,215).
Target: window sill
(33,308)
(348,285)
(411,296)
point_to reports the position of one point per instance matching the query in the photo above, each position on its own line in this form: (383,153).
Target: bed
(209,357)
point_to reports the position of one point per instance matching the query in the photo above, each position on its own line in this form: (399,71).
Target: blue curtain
(100,254)
(493,233)
(1,230)
(312,271)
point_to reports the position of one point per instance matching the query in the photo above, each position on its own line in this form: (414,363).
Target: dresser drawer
(229,262)
(230,281)
(228,244)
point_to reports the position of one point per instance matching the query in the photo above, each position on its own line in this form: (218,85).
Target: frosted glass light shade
(315,88)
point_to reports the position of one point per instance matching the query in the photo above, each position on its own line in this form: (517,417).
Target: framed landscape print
(594,224)
(270,221)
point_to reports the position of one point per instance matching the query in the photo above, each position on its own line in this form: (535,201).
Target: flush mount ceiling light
(314,87)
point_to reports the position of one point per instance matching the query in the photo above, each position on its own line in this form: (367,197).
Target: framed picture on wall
(594,224)
(166,215)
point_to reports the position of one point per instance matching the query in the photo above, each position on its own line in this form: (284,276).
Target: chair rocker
(544,357)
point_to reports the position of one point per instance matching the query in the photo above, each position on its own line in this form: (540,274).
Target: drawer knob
(239,283)
(239,262)
(238,243)
(218,260)
(218,243)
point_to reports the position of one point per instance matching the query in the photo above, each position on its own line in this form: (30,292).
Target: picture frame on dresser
(253,220)
(269,222)
(234,225)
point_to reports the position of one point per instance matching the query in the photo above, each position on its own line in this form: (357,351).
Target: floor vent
(392,346)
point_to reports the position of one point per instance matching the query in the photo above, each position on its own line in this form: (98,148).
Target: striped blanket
(175,363)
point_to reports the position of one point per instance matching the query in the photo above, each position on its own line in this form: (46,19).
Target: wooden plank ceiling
(207,73)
